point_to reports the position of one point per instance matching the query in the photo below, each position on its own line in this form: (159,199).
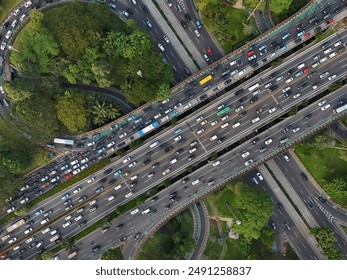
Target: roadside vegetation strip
(104,221)
(174,31)
(6,6)
(322,35)
(78,177)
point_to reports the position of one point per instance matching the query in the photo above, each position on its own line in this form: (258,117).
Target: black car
(120,226)
(144,8)
(41,250)
(149,153)
(274,87)
(83,224)
(145,162)
(6,24)
(203,97)
(322,199)
(168,149)
(154,199)
(243,99)
(172,195)
(191,157)
(238,92)
(123,239)
(280,207)
(308,116)
(273,75)
(255,141)
(187,71)
(169,206)
(163,145)
(137,236)
(227,81)
(155,165)
(96,248)
(178,152)
(221,139)
(341,102)
(291,71)
(242,114)
(182,141)
(254,99)
(297,40)
(183,23)
(130,11)
(303,176)
(239,63)
(187,16)
(112,181)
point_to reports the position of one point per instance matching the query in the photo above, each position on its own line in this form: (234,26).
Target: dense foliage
(327,241)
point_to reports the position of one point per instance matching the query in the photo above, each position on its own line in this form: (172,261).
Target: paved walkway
(178,29)
(292,213)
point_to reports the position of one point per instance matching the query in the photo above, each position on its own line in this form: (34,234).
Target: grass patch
(160,246)
(323,164)
(235,28)
(344,121)
(344,229)
(326,34)
(7,6)
(213,247)
(218,200)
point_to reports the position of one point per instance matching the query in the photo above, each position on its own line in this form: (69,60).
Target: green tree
(36,18)
(36,118)
(254,208)
(163,92)
(9,185)
(327,241)
(112,111)
(335,86)
(20,89)
(112,254)
(72,111)
(279,6)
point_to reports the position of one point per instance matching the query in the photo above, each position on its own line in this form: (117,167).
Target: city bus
(205,80)
(72,254)
(16,225)
(223,111)
(340,109)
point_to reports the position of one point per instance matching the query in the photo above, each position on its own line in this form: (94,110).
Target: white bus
(340,109)
(253,87)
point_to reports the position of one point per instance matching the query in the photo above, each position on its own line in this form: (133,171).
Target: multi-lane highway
(231,166)
(177,160)
(184,98)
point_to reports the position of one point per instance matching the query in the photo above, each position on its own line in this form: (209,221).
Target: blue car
(118,172)
(178,130)
(39,212)
(138,120)
(255,180)
(284,47)
(174,114)
(113,6)
(65,196)
(298,74)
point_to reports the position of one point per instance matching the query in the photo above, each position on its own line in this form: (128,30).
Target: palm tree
(100,109)
(112,111)
(125,86)
(99,120)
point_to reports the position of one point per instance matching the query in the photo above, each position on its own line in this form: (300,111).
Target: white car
(166,39)
(123,135)
(200,118)
(24,200)
(272,110)
(216,163)
(16,12)
(79,217)
(31,239)
(252,57)
(245,154)
(67,224)
(268,141)
(255,120)
(206,57)
(3,46)
(46,230)
(322,102)
(127,159)
(77,190)
(28,230)
(91,180)
(28,4)
(286,157)
(332,77)
(289,80)
(12,240)
(200,131)
(296,129)
(238,109)
(279,78)
(92,202)
(260,176)
(225,118)
(160,46)
(338,43)
(22,17)
(132,164)
(67,218)
(295,96)
(248,162)
(178,138)
(325,107)
(328,51)
(332,55)
(14,23)
(214,123)
(285,89)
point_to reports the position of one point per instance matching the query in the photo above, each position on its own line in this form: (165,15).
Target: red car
(68,176)
(44,185)
(306,69)
(3,256)
(209,51)
(330,21)
(307,35)
(250,53)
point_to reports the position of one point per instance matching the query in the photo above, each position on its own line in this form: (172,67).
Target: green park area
(326,160)
(227,24)
(252,208)
(173,241)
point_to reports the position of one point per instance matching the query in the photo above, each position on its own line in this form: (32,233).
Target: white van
(154,144)
(216,163)
(236,124)
(197,181)
(255,120)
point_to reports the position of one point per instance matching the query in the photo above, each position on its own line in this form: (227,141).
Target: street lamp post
(13,49)
(238,222)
